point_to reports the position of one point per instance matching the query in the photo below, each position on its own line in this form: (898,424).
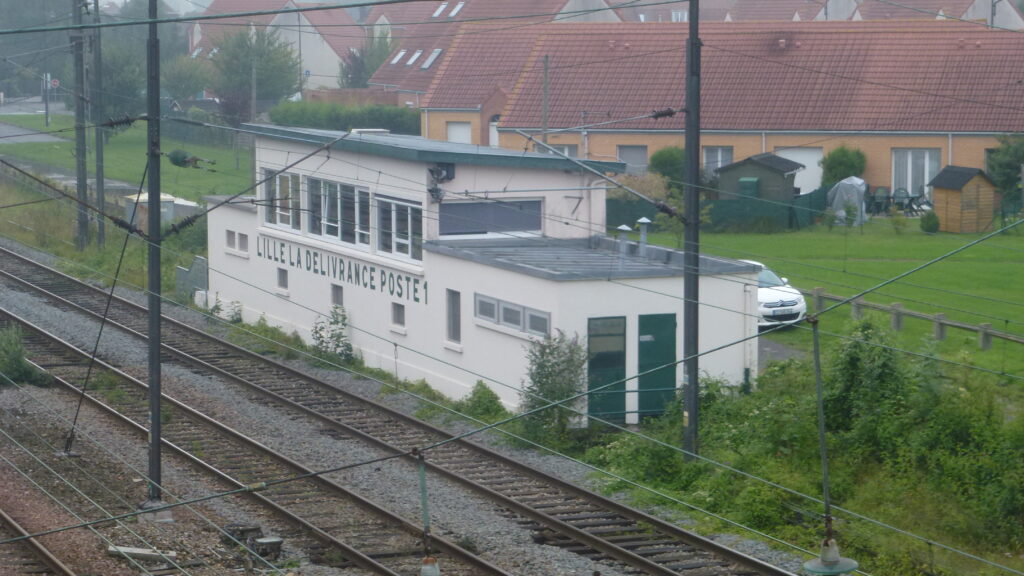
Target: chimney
(643,222)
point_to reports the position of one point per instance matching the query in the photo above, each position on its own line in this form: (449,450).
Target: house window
(243,242)
(501,216)
(454,332)
(680,16)
(230,240)
(715,157)
(339,211)
(570,150)
(512,315)
(397,314)
(459,132)
(635,158)
(914,168)
(282,278)
(281,199)
(400,227)
(337,295)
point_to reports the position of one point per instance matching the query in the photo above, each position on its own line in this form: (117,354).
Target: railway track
(364,534)
(561,513)
(26,557)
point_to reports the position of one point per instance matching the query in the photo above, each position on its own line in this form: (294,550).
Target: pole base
(161,516)
(842,566)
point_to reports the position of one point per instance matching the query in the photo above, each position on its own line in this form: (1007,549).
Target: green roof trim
(419,149)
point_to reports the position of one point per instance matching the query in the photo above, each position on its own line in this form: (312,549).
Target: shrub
(482,404)
(841,163)
(557,368)
(13,365)
(930,222)
(336,116)
(330,336)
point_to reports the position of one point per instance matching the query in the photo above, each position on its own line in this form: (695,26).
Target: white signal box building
(450,258)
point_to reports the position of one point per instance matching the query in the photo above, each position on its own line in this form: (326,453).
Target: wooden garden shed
(963,199)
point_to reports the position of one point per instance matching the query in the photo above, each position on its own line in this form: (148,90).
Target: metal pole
(813,320)
(81,177)
(46,98)
(97,111)
(153,115)
(691,241)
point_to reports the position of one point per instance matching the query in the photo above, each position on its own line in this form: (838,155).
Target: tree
(124,80)
(358,66)
(670,162)
(841,163)
(173,35)
(29,56)
(557,370)
(185,77)
(1005,165)
(244,55)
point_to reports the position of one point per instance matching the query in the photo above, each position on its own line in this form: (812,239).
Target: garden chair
(900,199)
(880,200)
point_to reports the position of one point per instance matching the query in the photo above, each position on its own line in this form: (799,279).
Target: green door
(606,363)
(656,347)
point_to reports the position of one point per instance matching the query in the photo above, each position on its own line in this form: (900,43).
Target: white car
(777,301)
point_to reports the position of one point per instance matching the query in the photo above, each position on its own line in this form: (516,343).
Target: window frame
(398,314)
(453,316)
(278,209)
(282,279)
(399,227)
(480,298)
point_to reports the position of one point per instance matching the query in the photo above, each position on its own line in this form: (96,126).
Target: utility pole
(97,110)
(46,97)
(153,117)
(691,239)
(544,105)
(82,237)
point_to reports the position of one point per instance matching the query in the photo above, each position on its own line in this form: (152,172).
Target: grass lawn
(982,284)
(125,158)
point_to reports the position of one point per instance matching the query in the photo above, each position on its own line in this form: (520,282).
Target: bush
(557,368)
(841,163)
(930,222)
(330,338)
(482,404)
(13,365)
(336,116)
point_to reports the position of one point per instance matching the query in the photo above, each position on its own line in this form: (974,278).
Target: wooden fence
(897,313)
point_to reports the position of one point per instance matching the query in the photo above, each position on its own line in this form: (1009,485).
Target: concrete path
(11,134)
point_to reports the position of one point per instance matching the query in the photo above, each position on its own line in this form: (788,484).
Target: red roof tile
(337,28)
(767,10)
(828,76)
(913,9)
(214,31)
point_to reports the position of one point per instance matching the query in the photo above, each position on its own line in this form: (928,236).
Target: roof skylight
(456,9)
(440,9)
(398,56)
(430,59)
(415,56)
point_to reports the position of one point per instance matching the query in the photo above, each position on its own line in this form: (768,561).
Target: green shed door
(656,346)
(606,363)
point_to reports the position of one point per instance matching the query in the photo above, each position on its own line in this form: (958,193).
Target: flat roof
(598,258)
(419,149)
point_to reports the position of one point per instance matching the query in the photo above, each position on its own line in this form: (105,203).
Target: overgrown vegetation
(330,337)
(841,163)
(912,443)
(556,371)
(335,116)
(13,365)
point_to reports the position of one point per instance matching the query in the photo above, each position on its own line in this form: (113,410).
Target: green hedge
(335,116)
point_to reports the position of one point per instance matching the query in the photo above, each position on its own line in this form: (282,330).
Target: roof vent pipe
(624,230)
(643,222)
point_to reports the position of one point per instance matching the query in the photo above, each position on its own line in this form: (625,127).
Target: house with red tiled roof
(423,31)
(205,35)
(660,11)
(782,10)
(1001,13)
(913,96)
(320,39)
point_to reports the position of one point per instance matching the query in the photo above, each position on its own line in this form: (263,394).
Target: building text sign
(344,270)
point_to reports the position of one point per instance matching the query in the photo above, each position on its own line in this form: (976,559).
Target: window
(243,242)
(490,217)
(635,158)
(415,56)
(282,278)
(486,308)
(715,157)
(281,199)
(680,16)
(914,168)
(512,315)
(337,295)
(459,132)
(439,10)
(400,227)
(569,150)
(454,300)
(430,59)
(338,211)
(398,56)
(230,240)
(398,314)
(456,10)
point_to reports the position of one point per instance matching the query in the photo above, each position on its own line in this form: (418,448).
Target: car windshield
(768,279)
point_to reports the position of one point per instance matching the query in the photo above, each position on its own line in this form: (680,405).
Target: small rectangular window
(282,278)
(230,240)
(337,295)
(397,314)
(439,10)
(398,56)
(454,316)
(243,242)
(430,59)
(486,308)
(538,322)
(415,56)
(511,315)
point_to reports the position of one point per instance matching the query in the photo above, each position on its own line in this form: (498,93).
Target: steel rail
(35,548)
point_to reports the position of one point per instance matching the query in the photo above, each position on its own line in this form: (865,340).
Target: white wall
(808,179)
(315,54)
